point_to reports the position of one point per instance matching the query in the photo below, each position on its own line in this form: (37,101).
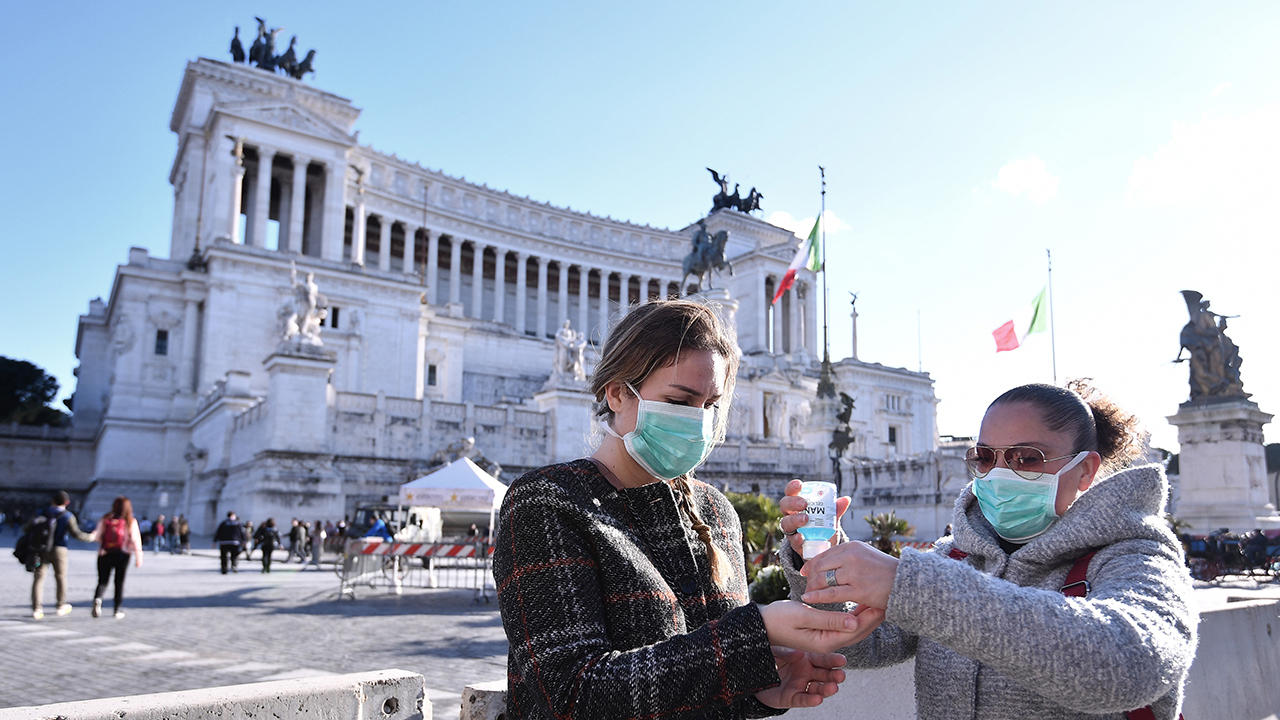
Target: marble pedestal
(569,404)
(1222,466)
(298,397)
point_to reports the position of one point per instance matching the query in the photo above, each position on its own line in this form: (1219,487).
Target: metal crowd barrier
(377,563)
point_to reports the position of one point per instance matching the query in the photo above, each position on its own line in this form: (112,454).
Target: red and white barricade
(374,562)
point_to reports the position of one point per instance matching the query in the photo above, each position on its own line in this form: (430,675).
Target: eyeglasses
(1025,461)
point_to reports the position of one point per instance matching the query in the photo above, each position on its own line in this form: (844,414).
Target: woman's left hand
(862,575)
(807,678)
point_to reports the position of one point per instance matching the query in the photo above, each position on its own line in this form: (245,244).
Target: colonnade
(297,235)
(790,324)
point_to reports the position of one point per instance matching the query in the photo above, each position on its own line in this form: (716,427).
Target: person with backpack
(184,534)
(47,541)
(119,538)
(267,538)
(1062,592)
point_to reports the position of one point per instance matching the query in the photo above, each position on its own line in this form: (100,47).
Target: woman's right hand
(796,625)
(794,517)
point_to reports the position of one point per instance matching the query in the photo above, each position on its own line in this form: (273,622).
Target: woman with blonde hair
(118,539)
(621,578)
(1061,593)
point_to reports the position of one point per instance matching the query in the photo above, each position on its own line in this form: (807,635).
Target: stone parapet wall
(386,694)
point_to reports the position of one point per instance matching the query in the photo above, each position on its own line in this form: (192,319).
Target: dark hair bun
(1120,439)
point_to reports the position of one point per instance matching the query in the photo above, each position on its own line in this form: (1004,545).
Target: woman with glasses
(620,577)
(1061,592)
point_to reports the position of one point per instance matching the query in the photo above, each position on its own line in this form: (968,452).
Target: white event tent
(460,485)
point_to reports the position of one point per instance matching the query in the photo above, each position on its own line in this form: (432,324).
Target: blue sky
(1138,143)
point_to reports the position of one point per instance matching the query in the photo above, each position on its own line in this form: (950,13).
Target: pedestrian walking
(158,538)
(184,534)
(250,541)
(317,542)
(296,537)
(267,538)
(1062,593)
(229,537)
(118,539)
(171,533)
(63,524)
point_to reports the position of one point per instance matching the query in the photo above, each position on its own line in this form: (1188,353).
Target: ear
(1089,470)
(615,394)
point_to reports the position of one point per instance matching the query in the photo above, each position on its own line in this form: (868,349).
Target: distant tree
(759,517)
(25,393)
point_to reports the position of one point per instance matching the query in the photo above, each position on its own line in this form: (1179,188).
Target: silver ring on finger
(784,530)
(830,576)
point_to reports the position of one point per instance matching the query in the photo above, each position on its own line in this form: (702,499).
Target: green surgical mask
(669,440)
(1020,509)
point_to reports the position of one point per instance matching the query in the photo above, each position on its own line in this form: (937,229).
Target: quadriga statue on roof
(1215,359)
(262,53)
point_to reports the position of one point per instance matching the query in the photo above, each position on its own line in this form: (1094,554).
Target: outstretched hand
(807,678)
(863,575)
(797,625)
(794,516)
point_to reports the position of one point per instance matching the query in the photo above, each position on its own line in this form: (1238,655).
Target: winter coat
(994,637)
(608,605)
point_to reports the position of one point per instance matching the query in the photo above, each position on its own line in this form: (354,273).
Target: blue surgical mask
(1017,508)
(669,440)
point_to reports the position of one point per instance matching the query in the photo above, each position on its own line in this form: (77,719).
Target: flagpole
(1053,343)
(826,385)
(826,347)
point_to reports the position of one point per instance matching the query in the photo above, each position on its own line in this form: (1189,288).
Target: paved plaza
(188,626)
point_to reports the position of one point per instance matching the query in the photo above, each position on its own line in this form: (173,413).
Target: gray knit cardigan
(995,639)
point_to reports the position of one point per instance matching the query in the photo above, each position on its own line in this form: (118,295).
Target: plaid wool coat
(608,605)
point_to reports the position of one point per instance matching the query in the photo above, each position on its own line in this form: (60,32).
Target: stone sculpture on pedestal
(1221,463)
(706,255)
(303,315)
(569,365)
(1215,359)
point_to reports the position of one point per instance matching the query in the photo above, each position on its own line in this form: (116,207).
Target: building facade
(443,301)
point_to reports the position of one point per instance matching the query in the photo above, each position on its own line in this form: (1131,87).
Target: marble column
(499,285)
(624,294)
(604,304)
(359,227)
(664,289)
(237,193)
(522,293)
(333,219)
(761,330)
(584,292)
(644,289)
(433,266)
(384,243)
(455,269)
(542,299)
(562,299)
(477,280)
(811,318)
(190,320)
(410,248)
(777,309)
(793,295)
(298,203)
(262,198)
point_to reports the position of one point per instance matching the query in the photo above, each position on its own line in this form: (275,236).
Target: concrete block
(380,695)
(485,701)
(1236,673)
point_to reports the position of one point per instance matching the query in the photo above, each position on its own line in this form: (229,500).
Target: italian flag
(806,257)
(1033,318)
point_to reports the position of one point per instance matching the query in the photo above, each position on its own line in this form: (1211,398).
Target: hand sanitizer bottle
(821,499)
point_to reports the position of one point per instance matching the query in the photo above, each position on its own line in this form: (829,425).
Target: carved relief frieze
(491,210)
(400,184)
(448,197)
(164,320)
(554,226)
(513,217)
(376,175)
(471,204)
(122,334)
